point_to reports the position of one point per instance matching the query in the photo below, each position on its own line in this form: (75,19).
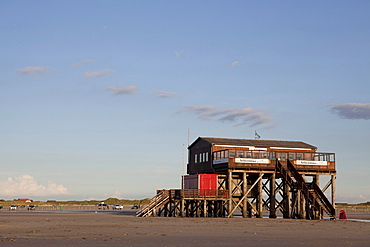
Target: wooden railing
(313,192)
(199,193)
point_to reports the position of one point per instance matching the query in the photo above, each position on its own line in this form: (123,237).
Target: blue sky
(97,96)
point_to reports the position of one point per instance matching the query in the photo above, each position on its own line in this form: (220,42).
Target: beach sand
(122,229)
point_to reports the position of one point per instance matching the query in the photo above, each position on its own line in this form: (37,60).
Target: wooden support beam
(316,179)
(272,196)
(229,181)
(333,189)
(259,197)
(245,201)
(326,185)
(245,196)
(286,200)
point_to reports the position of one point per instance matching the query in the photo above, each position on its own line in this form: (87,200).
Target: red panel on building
(200,181)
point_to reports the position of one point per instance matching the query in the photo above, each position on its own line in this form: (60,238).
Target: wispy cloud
(163,94)
(26,185)
(352,110)
(122,90)
(240,116)
(83,62)
(31,70)
(235,63)
(179,53)
(100,73)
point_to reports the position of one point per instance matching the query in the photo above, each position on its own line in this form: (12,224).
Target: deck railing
(198,193)
(224,155)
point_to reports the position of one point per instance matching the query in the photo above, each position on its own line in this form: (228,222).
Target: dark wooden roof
(256,143)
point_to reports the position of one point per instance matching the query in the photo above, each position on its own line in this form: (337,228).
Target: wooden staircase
(312,193)
(156,202)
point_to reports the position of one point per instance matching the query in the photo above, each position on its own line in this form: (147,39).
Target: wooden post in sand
(204,208)
(286,200)
(301,205)
(230,189)
(245,189)
(333,189)
(182,207)
(259,198)
(272,196)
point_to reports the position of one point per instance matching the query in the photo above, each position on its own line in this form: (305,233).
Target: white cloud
(27,186)
(114,195)
(352,110)
(163,94)
(100,73)
(31,70)
(123,90)
(240,116)
(179,53)
(233,64)
(83,62)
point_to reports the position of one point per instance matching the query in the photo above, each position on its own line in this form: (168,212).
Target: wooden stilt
(333,189)
(272,196)
(230,188)
(259,198)
(245,201)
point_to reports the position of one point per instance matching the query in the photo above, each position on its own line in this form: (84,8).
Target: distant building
(24,200)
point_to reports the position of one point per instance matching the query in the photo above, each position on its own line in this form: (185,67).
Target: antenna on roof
(188,137)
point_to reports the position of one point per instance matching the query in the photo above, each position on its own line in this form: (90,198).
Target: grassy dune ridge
(109,201)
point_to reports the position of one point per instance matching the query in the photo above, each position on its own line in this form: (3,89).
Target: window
(256,155)
(196,158)
(263,155)
(271,155)
(291,156)
(331,157)
(248,155)
(240,155)
(207,157)
(282,156)
(232,154)
(299,156)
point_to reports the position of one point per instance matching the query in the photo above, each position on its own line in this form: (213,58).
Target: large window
(299,156)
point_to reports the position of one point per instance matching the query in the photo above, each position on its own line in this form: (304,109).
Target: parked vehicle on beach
(135,206)
(13,207)
(31,207)
(103,206)
(117,207)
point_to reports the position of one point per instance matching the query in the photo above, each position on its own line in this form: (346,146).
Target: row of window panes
(272,155)
(203,157)
(223,154)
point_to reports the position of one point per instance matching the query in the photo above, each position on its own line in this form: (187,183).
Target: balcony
(266,160)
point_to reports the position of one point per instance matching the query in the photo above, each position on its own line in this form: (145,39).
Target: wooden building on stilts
(251,178)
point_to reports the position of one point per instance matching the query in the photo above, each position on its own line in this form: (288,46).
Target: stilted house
(252,177)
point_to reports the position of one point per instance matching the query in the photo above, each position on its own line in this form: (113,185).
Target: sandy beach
(124,229)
